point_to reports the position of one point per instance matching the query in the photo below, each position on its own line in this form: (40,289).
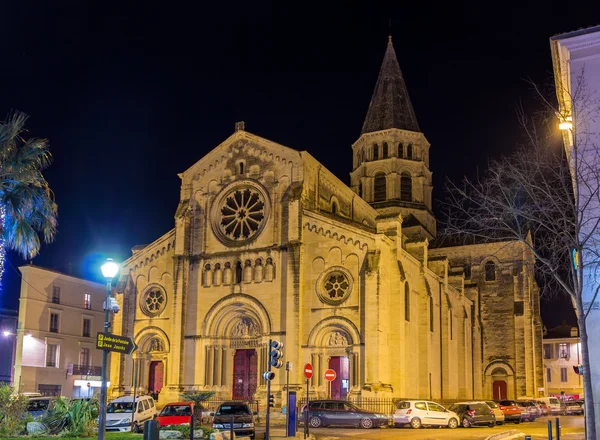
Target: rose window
(240,214)
(334,286)
(153,301)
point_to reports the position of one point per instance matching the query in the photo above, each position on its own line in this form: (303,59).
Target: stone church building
(267,243)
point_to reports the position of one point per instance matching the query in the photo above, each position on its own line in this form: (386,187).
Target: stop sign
(308,371)
(330,375)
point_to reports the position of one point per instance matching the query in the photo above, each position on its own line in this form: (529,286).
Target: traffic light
(271,401)
(269,375)
(276,354)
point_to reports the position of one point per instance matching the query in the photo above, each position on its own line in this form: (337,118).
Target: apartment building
(8,337)
(59,316)
(562,356)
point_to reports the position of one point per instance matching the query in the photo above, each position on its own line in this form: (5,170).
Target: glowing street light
(109,271)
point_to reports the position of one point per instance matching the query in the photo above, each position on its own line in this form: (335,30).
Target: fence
(383,405)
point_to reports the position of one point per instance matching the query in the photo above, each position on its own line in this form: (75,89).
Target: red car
(176,413)
(510,409)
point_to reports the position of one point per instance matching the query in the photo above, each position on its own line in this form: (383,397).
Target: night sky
(133,93)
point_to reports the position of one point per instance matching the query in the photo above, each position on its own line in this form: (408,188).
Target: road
(572,429)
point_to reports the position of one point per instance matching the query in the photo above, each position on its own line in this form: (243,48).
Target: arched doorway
(340,386)
(245,366)
(156,377)
(499,381)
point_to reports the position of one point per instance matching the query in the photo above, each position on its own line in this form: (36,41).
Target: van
(553,404)
(121,417)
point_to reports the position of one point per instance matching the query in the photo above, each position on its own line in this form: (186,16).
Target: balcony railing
(87,370)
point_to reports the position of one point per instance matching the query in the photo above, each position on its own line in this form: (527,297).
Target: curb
(507,435)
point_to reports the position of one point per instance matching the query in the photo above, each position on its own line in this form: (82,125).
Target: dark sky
(132,93)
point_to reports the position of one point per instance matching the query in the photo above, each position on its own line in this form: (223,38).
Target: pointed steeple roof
(390,105)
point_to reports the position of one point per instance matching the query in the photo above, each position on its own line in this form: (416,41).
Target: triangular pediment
(242,144)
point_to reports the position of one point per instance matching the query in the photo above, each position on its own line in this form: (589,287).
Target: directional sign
(119,344)
(308,371)
(330,375)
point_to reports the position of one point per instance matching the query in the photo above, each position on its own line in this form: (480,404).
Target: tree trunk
(590,416)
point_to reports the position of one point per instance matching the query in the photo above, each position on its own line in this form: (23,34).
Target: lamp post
(109,270)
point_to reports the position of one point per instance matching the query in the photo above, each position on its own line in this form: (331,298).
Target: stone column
(223,366)
(216,364)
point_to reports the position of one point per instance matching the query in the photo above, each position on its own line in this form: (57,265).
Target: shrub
(13,409)
(185,429)
(72,417)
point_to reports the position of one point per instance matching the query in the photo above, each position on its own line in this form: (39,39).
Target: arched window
(490,271)
(431,313)
(238,272)
(409,152)
(360,189)
(467,270)
(385,150)
(379,188)
(400,150)
(241,168)
(450,323)
(406,187)
(334,208)
(406,302)
(375,152)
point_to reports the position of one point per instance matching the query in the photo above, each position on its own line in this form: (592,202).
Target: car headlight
(125,421)
(380,416)
(248,425)
(217,425)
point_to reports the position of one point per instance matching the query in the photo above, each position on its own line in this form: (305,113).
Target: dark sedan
(342,413)
(238,413)
(474,413)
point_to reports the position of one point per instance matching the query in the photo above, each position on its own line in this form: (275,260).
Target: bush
(185,429)
(13,409)
(72,418)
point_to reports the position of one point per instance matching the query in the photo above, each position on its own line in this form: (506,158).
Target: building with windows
(59,316)
(8,339)
(269,244)
(562,359)
(576,62)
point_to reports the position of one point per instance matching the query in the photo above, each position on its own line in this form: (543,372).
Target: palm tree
(27,207)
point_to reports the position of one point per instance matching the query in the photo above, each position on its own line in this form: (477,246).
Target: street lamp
(109,270)
(6,333)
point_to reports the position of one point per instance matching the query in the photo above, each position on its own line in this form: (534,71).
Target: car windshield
(120,407)
(176,410)
(507,403)
(492,404)
(227,410)
(38,405)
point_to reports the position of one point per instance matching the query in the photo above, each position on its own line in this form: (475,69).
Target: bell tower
(391,156)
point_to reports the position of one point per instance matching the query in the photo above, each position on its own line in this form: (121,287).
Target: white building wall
(33,363)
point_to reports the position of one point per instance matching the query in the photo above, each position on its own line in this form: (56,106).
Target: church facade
(269,244)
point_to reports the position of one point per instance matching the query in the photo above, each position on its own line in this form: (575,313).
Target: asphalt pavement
(572,428)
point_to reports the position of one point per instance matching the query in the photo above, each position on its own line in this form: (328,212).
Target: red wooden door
(499,391)
(245,364)
(156,378)
(340,385)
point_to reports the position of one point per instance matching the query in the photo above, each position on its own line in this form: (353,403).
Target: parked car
(474,413)
(37,407)
(533,407)
(544,407)
(529,411)
(500,419)
(553,404)
(512,413)
(237,412)
(121,417)
(177,413)
(422,412)
(342,413)
(572,408)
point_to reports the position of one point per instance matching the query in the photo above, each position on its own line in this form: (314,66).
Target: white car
(422,412)
(121,417)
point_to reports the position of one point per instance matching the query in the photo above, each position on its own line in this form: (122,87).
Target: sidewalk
(278,433)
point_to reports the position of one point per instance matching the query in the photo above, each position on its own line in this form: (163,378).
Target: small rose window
(334,285)
(153,301)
